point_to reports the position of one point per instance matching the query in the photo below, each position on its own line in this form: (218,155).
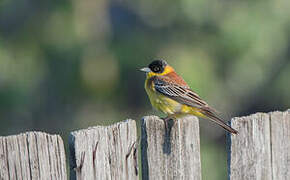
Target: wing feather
(182,94)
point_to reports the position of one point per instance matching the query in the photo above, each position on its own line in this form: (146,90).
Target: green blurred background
(66,65)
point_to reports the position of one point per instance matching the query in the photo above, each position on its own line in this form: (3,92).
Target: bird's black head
(157,66)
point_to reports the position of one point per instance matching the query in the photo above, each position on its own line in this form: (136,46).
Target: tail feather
(219,121)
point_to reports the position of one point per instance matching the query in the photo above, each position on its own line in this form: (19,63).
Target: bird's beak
(145,69)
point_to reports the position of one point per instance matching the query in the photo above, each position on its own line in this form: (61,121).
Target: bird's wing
(184,95)
(181,94)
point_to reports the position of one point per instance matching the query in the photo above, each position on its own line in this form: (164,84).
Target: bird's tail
(219,121)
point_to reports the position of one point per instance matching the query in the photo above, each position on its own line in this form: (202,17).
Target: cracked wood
(32,155)
(261,150)
(105,152)
(172,152)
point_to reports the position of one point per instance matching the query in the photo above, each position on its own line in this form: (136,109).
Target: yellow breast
(161,102)
(167,105)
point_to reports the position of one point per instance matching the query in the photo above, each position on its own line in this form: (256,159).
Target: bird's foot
(167,121)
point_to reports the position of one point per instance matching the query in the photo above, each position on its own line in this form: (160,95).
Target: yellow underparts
(169,106)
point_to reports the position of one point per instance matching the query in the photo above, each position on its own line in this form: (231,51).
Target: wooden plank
(280,138)
(172,153)
(250,151)
(261,150)
(32,155)
(105,152)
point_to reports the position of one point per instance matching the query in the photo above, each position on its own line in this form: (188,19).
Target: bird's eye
(156,69)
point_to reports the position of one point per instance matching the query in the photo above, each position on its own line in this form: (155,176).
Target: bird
(170,94)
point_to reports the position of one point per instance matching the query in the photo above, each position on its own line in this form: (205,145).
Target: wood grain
(32,155)
(261,150)
(105,152)
(250,149)
(280,144)
(172,153)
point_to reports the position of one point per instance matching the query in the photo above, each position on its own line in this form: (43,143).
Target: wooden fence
(261,150)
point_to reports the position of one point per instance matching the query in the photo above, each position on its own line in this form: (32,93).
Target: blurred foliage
(66,65)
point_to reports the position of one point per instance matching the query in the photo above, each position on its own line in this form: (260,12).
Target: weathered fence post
(172,152)
(105,152)
(32,155)
(261,150)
